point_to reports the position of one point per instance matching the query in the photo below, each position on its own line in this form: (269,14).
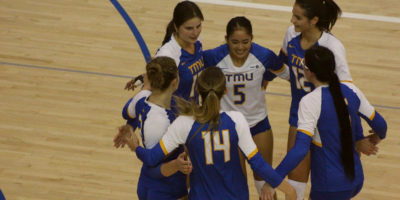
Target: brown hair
(183,11)
(161,71)
(211,86)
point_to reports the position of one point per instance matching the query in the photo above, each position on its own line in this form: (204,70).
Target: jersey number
(218,146)
(301,79)
(240,94)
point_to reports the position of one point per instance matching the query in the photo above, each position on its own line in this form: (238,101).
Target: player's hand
(130,138)
(267,192)
(290,192)
(366,147)
(374,137)
(119,138)
(184,165)
(134,83)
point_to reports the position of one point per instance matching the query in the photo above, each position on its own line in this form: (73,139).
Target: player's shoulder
(184,120)
(349,90)
(259,50)
(236,116)
(291,33)
(170,49)
(218,52)
(140,97)
(313,98)
(331,42)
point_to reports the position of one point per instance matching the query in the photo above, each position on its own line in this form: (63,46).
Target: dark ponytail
(183,11)
(321,62)
(327,12)
(169,31)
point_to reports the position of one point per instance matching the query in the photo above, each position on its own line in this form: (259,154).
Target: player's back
(327,171)
(153,121)
(217,173)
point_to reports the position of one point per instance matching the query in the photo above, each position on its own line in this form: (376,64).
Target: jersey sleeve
(342,67)
(152,127)
(176,134)
(249,148)
(169,50)
(309,112)
(129,111)
(213,56)
(368,112)
(209,58)
(275,65)
(288,36)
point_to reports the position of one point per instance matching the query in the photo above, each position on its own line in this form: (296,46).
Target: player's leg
(264,140)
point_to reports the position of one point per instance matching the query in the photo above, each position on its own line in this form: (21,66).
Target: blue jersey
(153,121)
(217,173)
(189,66)
(244,83)
(319,131)
(292,54)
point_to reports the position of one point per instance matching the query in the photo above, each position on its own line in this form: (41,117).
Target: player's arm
(296,153)
(209,57)
(369,114)
(257,162)
(249,148)
(277,67)
(309,111)
(176,134)
(167,169)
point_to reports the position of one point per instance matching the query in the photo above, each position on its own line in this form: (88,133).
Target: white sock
(300,188)
(259,185)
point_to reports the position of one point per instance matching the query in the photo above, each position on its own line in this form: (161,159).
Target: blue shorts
(171,188)
(260,127)
(342,195)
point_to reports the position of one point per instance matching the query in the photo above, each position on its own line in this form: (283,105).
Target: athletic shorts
(260,127)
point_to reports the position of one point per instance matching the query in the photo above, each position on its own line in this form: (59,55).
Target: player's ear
(175,83)
(314,20)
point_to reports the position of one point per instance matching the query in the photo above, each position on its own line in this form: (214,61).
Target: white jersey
(311,106)
(292,41)
(245,93)
(189,65)
(153,119)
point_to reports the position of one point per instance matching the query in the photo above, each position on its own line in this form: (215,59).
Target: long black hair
(184,10)
(321,62)
(327,12)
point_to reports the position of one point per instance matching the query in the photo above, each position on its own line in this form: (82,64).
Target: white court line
(289,9)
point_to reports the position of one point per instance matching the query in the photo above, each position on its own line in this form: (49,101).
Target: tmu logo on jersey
(239,77)
(197,66)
